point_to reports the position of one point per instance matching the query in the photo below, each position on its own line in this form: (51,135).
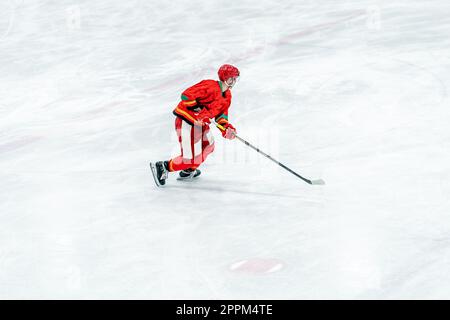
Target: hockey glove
(229,132)
(204,119)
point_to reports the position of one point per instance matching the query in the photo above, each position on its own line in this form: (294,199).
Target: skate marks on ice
(258,50)
(414,265)
(8,16)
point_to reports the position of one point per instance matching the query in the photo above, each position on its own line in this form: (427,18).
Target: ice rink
(355,93)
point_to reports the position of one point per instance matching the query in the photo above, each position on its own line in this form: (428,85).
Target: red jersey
(204,99)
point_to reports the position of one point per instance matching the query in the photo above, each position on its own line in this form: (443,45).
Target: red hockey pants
(196,144)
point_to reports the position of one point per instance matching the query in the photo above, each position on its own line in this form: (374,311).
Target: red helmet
(227,71)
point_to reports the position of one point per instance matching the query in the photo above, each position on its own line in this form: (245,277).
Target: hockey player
(208,99)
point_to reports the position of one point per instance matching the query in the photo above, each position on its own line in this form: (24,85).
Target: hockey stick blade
(318,182)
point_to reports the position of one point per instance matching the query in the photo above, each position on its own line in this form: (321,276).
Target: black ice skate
(189,174)
(160,172)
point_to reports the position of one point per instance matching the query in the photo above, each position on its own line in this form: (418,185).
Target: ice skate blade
(154,174)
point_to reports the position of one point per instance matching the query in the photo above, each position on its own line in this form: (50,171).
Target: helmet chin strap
(224,86)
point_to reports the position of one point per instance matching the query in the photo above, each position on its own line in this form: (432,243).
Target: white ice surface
(355,93)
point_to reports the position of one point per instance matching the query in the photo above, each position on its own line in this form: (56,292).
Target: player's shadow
(192,185)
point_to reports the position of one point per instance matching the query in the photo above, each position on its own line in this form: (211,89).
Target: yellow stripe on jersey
(190,103)
(187,115)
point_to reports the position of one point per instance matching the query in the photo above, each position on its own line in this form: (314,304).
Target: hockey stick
(312,182)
